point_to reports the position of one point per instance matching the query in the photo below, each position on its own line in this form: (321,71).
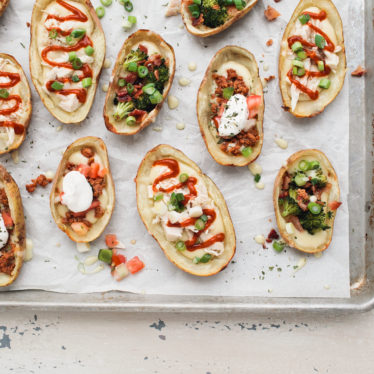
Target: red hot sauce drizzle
(76,15)
(192,244)
(14,79)
(322,15)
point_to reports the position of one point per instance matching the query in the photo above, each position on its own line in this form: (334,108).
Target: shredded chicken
(173,8)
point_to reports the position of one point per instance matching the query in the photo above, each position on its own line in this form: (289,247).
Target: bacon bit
(269,43)
(359,72)
(198,21)
(138,114)
(270,78)
(295,221)
(28,24)
(41,180)
(131,78)
(302,194)
(334,205)
(143,48)
(87,152)
(273,235)
(157,74)
(271,14)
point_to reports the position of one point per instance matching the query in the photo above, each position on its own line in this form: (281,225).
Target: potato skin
(143,203)
(35,60)
(313,107)
(117,127)
(3,5)
(18,235)
(203,105)
(97,228)
(334,193)
(207,31)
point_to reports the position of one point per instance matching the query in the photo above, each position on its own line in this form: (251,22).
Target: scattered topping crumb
(318,254)
(107,63)
(41,180)
(50,174)
(192,66)
(173,8)
(269,43)
(260,185)
(327,287)
(266,67)
(83,247)
(184,82)
(260,239)
(271,14)
(15,156)
(273,235)
(255,168)
(270,78)
(29,248)
(90,260)
(133,241)
(105,87)
(157,128)
(180,126)
(281,143)
(173,102)
(359,72)
(59,128)
(301,264)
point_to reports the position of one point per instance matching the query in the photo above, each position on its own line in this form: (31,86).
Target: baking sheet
(255,272)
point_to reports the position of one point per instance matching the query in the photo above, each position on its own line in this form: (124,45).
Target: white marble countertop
(40,342)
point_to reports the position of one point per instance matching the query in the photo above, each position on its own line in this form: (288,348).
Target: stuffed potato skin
(3,5)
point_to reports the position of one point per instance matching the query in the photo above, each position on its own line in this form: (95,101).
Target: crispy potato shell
(305,242)
(25,94)
(310,108)
(203,31)
(18,236)
(97,228)
(245,58)
(36,67)
(144,207)
(3,5)
(167,51)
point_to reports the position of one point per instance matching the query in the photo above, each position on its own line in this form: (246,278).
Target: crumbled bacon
(295,221)
(359,72)
(245,138)
(97,184)
(143,48)
(271,14)
(269,43)
(87,152)
(41,180)
(198,21)
(273,235)
(270,78)
(131,78)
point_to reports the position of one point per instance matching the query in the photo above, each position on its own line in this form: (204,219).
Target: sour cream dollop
(235,117)
(4,234)
(78,194)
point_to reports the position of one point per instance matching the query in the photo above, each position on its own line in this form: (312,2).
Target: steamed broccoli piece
(319,179)
(123,110)
(289,207)
(134,56)
(163,77)
(144,103)
(213,17)
(313,223)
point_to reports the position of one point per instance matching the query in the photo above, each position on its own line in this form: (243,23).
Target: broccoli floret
(214,15)
(289,207)
(123,110)
(313,223)
(134,56)
(292,193)
(163,77)
(319,179)
(143,103)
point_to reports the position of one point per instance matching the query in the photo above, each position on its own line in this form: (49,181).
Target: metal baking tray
(360,50)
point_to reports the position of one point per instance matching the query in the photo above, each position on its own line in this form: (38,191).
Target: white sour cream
(4,234)
(235,117)
(78,193)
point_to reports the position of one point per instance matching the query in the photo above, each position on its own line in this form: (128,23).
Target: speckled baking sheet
(254,271)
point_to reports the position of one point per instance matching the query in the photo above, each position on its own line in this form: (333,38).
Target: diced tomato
(102,172)
(334,205)
(143,48)
(117,258)
(84,169)
(253,103)
(157,74)
(131,78)
(80,228)
(135,264)
(216,121)
(7,219)
(111,240)
(95,167)
(217,118)
(221,110)
(94,205)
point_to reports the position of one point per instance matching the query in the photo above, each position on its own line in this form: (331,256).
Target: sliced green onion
(100,11)
(204,217)
(130,121)
(69,40)
(239,4)
(324,83)
(200,224)
(314,208)
(198,2)
(106,2)
(196,260)
(313,165)
(300,179)
(295,70)
(297,63)
(278,246)
(304,165)
(78,33)
(105,255)
(72,56)
(127,25)
(57,86)
(75,78)
(247,151)
(257,178)
(121,82)
(87,82)
(183,178)
(132,19)
(320,41)
(205,258)
(142,71)
(130,88)
(194,8)
(228,92)
(53,34)
(297,46)
(149,89)
(133,67)
(4,94)
(128,6)
(300,72)
(180,245)
(302,55)
(158,197)
(156,98)
(89,50)
(195,14)
(304,18)
(77,64)
(321,66)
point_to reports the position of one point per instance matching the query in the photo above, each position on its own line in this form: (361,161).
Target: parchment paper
(254,271)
